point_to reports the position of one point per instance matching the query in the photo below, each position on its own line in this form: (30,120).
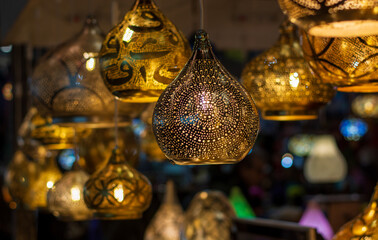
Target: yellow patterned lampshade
(366,106)
(117,191)
(209,217)
(66,200)
(142,54)
(333,18)
(281,82)
(67,84)
(205,116)
(167,222)
(363,226)
(350,64)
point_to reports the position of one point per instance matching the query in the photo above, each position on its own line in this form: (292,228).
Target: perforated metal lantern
(67,84)
(333,18)
(117,191)
(281,82)
(142,54)
(205,116)
(350,64)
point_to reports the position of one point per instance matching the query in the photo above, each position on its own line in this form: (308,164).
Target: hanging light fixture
(67,84)
(208,217)
(301,144)
(353,129)
(281,82)
(166,224)
(333,18)
(366,106)
(117,191)
(363,226)
(65,199)
(205,116)
(350,64)
(142,54)
(326,164)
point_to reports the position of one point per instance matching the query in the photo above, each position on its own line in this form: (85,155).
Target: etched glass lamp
(281,82)
(117,191)
(333,18)
(350,64)
(205,116)
(366,106)
(142,54)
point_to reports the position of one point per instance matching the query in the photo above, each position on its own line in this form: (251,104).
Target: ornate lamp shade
(142,54)
(66,200)
(208,217)
(167,222)
(333,18)
(67,83)
(363,226)
(281,82)
(350,64)
(205,116)
(117,191)
(366,106)
(326,164)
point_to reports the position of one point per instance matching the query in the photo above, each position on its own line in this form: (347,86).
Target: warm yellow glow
(203,195)
(294,80)
(49,184)
(128,34)
(118,193)
(75,193)
(90,64)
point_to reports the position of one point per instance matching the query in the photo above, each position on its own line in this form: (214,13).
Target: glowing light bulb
(75,194)
(90,64)
(49,184)
(128,34)
(294,80)
(118,193)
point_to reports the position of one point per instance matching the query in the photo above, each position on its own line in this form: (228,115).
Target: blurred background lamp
(366,106)
(353,129)
(301,144)
(287,160)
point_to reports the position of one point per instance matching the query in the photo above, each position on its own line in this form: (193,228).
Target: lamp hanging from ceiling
(205,116)
(67,84)
(281,82)
(333,18)
(366,106)
(353,129)
(301,144)
(142,54)
(350,64)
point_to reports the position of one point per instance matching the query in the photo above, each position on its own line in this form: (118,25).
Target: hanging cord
(116,121)
(201,14)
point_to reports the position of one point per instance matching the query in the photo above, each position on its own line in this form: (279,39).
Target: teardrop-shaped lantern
(366,106)
(66,200)
(205,116)
(209,217)
(326,164)
(166,224)
(67,84)
(363,226)
(142,54)
(281,82)
(333,18)
(117,191)
(350,64)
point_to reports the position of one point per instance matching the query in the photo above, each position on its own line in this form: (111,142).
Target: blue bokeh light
(66,159)
(353,129)
(287,160)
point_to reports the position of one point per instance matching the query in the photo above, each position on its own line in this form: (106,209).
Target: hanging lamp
(205,116)
(350,64)
(142,54)
(366,106)
(363,226)
(325,164)
(353,129)
(281,82)
(301,144)
(67,84)
(333,18)
(167,222)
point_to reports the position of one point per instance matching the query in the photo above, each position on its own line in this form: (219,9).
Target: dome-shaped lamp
(350,64)
(65,199)
(142,54)
(364,226)
(281,82)
(205,116)
(167,222)
(366,106)
(333,18)
(208,217)
(67,83)
(117,191)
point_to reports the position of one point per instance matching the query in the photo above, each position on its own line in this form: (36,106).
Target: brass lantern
(333,18)
(366,106)
(350,64)
(117,191)
(142,54)
(205,116)
(281,82)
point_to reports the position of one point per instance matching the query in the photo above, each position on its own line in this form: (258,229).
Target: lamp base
(359,88)
(290,115)
(116,214)
(138,96)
